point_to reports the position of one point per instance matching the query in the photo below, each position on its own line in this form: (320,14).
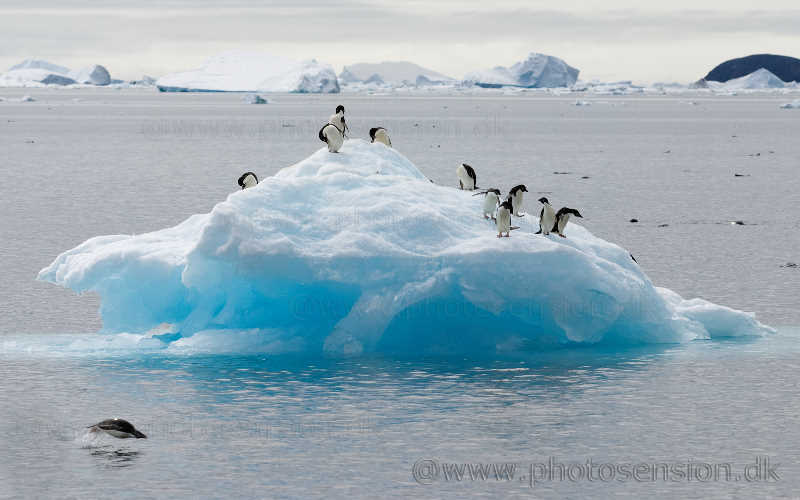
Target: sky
(679,40)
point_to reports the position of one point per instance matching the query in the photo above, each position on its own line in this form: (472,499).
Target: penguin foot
(562,235)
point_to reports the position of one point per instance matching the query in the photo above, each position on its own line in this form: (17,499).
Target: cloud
(451,36)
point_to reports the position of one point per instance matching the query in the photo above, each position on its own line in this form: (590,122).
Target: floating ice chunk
(358,252)
(791,105)
(254,99)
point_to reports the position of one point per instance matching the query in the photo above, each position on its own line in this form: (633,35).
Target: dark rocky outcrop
(784,67)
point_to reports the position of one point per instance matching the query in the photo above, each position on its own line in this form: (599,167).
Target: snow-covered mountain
(392,73)
(241,71)
(537,71)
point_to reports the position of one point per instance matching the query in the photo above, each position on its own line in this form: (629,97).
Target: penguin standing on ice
(248,180)
(504,219)
(118,428)
(338,120)
(547,217)
(562,217)
(466,177)
(515,196)
(378,134)
(332,136)
(490,202)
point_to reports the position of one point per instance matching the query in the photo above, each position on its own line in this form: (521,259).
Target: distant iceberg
(537,71)
(39,73)
(392,73)
(358,252)
(253,72)
(760,79)
(791,105)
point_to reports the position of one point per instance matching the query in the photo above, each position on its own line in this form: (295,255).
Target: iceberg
(39,73)
(239,71)
(760,79)
(94,75)
(358,252)
(394,73)
(537,71)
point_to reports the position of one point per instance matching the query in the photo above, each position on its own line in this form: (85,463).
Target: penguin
(248,180)
(332,136)
(504,219)
(515,196)
(338,120)
(378,134)
(466,177)
(490,202)
(547,217)
(118,428)
(562,217)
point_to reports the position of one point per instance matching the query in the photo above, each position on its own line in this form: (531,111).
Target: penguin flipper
(539,231)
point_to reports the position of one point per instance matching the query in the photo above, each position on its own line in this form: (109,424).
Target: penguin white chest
(490,203)
(516,202)
(503,220)
(334,138)
(249,182)
(562,223)
(548,219)
(466,181)
(337,120)
(382,137)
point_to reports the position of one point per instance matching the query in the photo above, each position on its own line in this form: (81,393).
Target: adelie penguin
(504,219)
(466,177)
(248,180)
(331,135)
(118,428)
(562,217)
(515,196)
(547,217)
(338,120)
(490,202)
(378,134)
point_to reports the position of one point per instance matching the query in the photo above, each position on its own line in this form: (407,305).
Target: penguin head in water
(340,109)
(118,428)
(543,200)
(247,180)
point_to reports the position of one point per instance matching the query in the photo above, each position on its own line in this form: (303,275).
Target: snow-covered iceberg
(358,252)
(239,71)
(39,73)
(760,79)
(94,75)
(393,73)
(537,71)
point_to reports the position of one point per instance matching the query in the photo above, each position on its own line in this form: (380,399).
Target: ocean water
(80,163)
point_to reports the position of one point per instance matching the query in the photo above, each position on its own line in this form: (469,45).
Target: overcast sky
(679,40)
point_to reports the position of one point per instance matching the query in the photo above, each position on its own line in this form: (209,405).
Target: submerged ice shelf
(358,252)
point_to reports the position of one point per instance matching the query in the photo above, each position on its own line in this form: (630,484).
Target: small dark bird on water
(118,428)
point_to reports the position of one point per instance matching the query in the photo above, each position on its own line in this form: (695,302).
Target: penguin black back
(562,212)
(373,131)
(244,176)
(471,173)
